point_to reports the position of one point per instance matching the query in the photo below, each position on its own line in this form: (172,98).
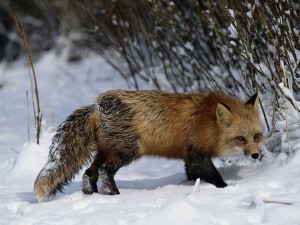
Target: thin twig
(20,28)
(278,202)
(28,117)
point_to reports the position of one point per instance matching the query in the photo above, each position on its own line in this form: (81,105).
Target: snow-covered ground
(153,191)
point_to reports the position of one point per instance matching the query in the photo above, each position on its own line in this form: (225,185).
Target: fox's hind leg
(107,173)
(200,166)
(91,175)
(108,170)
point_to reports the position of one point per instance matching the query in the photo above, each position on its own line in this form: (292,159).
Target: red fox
(123,125)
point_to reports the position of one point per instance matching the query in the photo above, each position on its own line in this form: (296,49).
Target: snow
(153,190)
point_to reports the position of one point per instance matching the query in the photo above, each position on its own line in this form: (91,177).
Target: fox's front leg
(200,166)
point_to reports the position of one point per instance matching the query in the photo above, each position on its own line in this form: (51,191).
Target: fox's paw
(109,190)
(88,186)
(221,185)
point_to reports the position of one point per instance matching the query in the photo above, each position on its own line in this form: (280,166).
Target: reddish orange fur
(167,124)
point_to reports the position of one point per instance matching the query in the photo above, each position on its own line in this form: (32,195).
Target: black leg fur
(89,185)
(201,166)
(107,173)
(108,170)
(91,175)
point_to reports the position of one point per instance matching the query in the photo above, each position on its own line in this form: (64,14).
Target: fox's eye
(241,138)
(256,136)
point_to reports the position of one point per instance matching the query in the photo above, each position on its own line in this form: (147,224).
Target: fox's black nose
(255,156)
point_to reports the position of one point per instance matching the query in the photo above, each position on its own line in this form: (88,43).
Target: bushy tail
(71,148)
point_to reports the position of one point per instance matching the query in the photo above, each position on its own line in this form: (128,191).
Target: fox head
(240,127)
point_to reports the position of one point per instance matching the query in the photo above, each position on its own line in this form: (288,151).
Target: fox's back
(166,124)
(161,120)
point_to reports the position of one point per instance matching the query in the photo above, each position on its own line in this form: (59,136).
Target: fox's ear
(254,100)
(223,114)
